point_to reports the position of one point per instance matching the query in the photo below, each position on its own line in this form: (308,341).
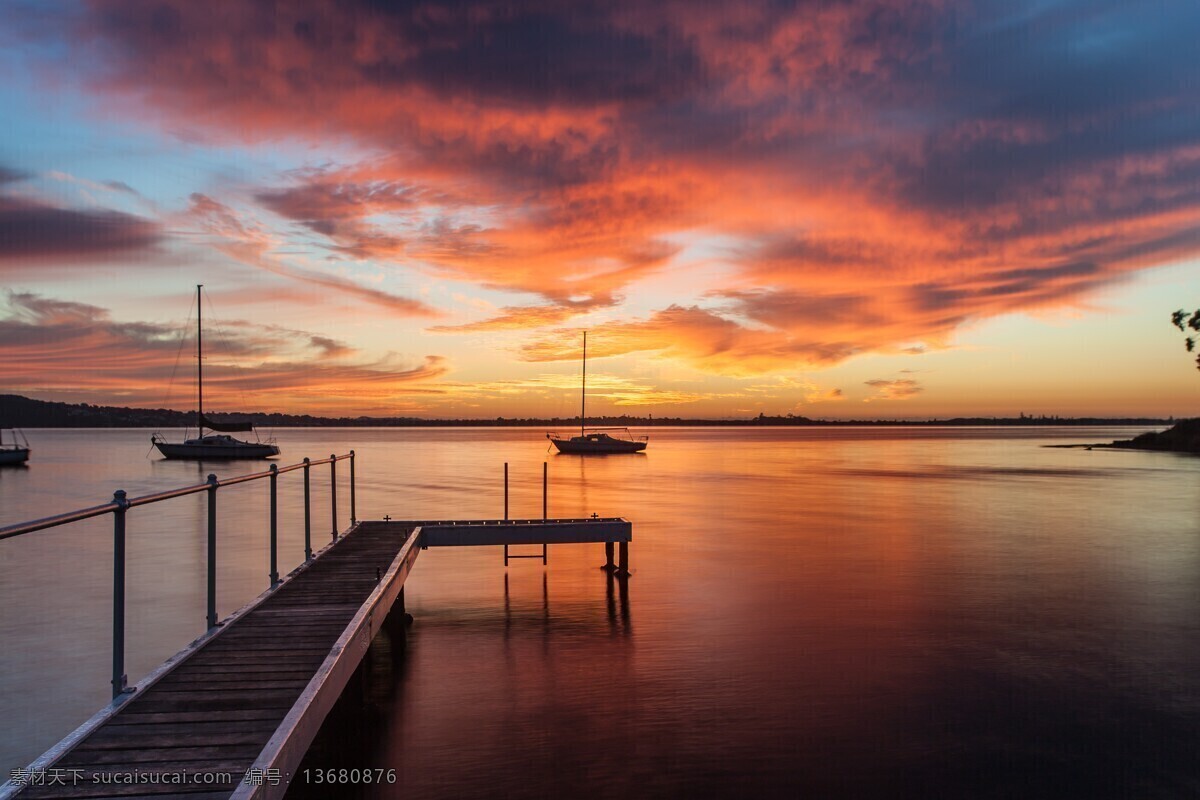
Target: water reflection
(868,613)
(618,612)
(516,655)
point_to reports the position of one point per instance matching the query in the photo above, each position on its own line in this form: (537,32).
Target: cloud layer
(35,233)
(45,341)
(862,177)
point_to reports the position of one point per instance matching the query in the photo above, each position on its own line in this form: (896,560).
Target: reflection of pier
(235,712)
(616,603)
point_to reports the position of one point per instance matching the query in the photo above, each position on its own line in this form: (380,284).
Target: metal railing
(120,504)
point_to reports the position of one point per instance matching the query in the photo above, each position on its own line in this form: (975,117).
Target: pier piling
(506,508)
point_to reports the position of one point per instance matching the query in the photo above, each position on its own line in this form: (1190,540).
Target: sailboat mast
(199,368)
(583,391)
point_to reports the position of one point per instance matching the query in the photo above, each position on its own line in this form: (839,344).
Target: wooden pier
(233,714)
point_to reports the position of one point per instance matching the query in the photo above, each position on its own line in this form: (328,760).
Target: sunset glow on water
(851,612)
(887,209)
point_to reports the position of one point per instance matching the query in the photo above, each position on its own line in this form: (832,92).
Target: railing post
(307,513)
(212,552)
(545,505)
(353,518)
(333,492)
(274,525)
(118,634)
(506,509)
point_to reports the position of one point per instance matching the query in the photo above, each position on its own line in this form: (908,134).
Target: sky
(882,209)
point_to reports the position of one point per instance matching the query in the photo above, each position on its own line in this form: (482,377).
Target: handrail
(169,494)
(120,505)
(9,531)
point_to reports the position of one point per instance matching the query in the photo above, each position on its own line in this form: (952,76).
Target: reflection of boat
(12,451)
(596,441)
(215,444)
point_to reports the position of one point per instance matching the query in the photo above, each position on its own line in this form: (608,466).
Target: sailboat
(217,443)
(13,452)
(595,440)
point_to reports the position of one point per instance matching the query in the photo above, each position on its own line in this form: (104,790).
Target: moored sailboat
(595,441)
(217,444)
(13,452)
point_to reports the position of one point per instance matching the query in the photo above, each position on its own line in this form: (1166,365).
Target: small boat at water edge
(12,452)
(216,445)
(595,441)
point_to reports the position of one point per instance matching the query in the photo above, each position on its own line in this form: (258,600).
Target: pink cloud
(56,347)
(885,172)
(901,389)
(250,244)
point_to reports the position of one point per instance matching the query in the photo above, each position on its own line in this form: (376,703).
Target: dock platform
(232,715)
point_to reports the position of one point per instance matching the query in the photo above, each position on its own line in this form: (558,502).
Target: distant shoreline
(17,411)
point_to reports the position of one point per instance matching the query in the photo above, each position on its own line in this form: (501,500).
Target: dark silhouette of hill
(1182,438)
(17,411)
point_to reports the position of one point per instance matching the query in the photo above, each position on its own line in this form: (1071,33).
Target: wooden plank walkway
(250,696)
(217,711)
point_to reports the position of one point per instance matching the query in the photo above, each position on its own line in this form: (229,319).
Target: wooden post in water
(405,617)
(212,551)
(609,566)
(506,508)
(397,621)
(623,562)
(545,505)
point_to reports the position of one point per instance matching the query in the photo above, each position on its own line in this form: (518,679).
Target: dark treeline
(24,412)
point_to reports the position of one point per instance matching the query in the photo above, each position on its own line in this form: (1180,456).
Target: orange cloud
(818,395)
(699,337)
(601,387)
(57,347)
(250,244)
(901,389)
(515,318)
(879,173)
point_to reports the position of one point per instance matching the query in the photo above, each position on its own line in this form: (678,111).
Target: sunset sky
(842,210)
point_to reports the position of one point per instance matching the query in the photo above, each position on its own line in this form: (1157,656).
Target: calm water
(813,612)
